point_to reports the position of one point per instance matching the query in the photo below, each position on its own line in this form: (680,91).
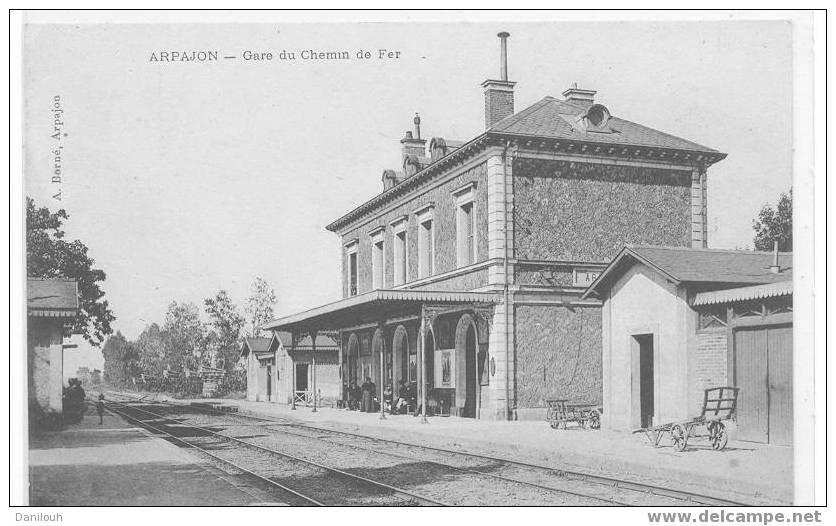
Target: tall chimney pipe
(775,267)
(499,94)
(417,122)
(503,55)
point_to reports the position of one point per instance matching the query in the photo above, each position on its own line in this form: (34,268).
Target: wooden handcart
(719,405)
(560,413)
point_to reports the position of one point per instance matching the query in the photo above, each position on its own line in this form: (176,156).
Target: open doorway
(470,372)
(644,385)
(269,382)
(301,377)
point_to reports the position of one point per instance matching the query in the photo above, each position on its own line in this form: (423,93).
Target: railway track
(305,482)
(587,489)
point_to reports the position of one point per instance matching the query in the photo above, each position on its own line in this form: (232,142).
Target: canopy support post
(421,348)
(382,326)
(293,372)
(312,333)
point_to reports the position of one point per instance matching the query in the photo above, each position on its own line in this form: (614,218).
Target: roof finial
(417,121)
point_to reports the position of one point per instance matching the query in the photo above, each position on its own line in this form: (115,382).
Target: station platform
(753,473)
(115,464)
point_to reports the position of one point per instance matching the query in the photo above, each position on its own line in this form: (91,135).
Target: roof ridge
(699,249)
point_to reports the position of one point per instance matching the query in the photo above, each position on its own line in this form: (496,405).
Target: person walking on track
(100,408)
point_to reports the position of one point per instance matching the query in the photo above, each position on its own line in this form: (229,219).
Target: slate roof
(51,297)
(548,118)
(259,346)
(683,265)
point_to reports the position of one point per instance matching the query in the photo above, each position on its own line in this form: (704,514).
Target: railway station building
(679,320)
(466,274)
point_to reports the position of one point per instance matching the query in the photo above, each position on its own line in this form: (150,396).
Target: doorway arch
(352,357)
(467,381)
(378,347)
(429,358)
(400,357)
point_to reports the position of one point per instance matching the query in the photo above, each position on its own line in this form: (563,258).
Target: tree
(151,346)
(184,336)
(227,323)
(121,360)
(774,224)
(49,255)
(260,305)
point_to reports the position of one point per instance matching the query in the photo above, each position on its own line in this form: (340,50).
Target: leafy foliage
(185,342)
(774,224)
(152,351)
(228,324)
(49,255)
(185,336)
(121,360)
(260,305)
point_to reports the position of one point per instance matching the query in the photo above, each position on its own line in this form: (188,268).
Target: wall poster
(445,368)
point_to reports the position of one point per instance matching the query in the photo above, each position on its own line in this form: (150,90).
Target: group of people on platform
(364,397)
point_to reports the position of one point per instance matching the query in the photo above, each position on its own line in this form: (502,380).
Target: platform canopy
(373,307)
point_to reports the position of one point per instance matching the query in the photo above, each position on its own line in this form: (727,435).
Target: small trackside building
(279,368)
(303,368)
(260,364)
(678,320)
(51,306)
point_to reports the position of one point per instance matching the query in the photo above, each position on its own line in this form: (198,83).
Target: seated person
(402,403)
(354,396)
(388,395)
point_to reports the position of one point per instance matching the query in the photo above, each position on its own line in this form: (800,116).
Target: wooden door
(779,347)
(751,366)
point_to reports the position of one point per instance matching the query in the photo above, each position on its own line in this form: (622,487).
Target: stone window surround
(423,215)
(399,226)
(465,195)
(378,275)
(351,249)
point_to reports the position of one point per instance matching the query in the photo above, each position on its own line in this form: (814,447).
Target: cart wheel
(679,437)
(717,435)
(595,419)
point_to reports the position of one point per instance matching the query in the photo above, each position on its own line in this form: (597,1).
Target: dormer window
(598,115)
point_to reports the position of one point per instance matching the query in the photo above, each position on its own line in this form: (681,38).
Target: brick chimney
(499,94)
(584,97)
(412,143)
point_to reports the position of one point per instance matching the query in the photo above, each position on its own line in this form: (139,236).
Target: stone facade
(558,356)
(444,225)
(543,275)
(585,211)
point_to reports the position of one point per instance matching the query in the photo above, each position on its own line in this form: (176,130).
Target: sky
(184,178)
